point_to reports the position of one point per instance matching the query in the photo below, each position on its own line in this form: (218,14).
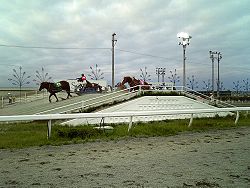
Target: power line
(52,48)
(143,54)
(79,48)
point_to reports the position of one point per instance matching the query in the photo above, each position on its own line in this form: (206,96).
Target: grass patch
(21,135)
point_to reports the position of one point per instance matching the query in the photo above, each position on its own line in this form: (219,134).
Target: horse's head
(43,85)
(126,79)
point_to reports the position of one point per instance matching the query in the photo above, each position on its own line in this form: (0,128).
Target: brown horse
(94,86)
(134,82)
(54,88)
(119,86)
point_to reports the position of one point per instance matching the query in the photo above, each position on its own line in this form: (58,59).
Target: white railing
(130,114)
(199,96)
(98,101)
(25,97)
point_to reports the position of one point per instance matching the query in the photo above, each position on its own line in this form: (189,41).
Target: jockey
(141,82)
(83,80)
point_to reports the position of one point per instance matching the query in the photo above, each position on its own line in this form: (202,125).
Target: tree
(41,77)
(174,78)
(20,79)
(246,85)
(192,84)
(144,75)
(208,86)
(96,73)
(237,86)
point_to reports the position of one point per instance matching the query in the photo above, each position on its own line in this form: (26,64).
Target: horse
(120,86)
(54,88)
(88,85)
(134,82)
(94,86)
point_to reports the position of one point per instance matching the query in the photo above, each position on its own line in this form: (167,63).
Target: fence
(131,114)
(13,98)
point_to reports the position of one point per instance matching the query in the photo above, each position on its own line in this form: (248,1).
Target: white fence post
(2,101)
(139,90)
(237,117)
(130,123)
(49,129)
(191,120)
(82,105)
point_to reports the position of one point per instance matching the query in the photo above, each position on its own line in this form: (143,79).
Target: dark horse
(89,86)
(134,82)
(54,88)
(94,86)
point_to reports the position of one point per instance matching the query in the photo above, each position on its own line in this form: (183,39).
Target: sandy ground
(210,159)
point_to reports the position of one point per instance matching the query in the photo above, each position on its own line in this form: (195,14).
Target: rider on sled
(83,80)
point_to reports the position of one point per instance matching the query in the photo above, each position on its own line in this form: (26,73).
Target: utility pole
(113,60)
(218,84)
(212,58)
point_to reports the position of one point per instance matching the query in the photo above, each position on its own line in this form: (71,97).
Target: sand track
(209,159)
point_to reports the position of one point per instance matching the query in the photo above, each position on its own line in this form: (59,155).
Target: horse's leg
(50,97)
(69,95)
(56,97)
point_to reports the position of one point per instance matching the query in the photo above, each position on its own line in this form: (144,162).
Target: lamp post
(162,72)
(185,40)
(218,56)
(113,60)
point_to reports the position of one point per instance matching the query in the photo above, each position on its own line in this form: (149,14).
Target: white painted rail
(129,114)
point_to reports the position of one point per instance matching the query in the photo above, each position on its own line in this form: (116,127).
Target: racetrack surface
(41,105)
(217,158)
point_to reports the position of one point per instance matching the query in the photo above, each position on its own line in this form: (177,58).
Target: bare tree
(42,77)
(192,83)
(19,79)
(246,85)
(208,86)
(96,73)
(174,78)
(237,86)
(144,75)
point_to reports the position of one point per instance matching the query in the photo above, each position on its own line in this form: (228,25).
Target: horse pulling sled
(80,87)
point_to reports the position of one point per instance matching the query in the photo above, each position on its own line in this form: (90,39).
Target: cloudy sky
(66,37)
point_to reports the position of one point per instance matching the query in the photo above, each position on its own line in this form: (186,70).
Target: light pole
(162,72)
(113,60)
(218,57)
(185,38)
(158,73)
